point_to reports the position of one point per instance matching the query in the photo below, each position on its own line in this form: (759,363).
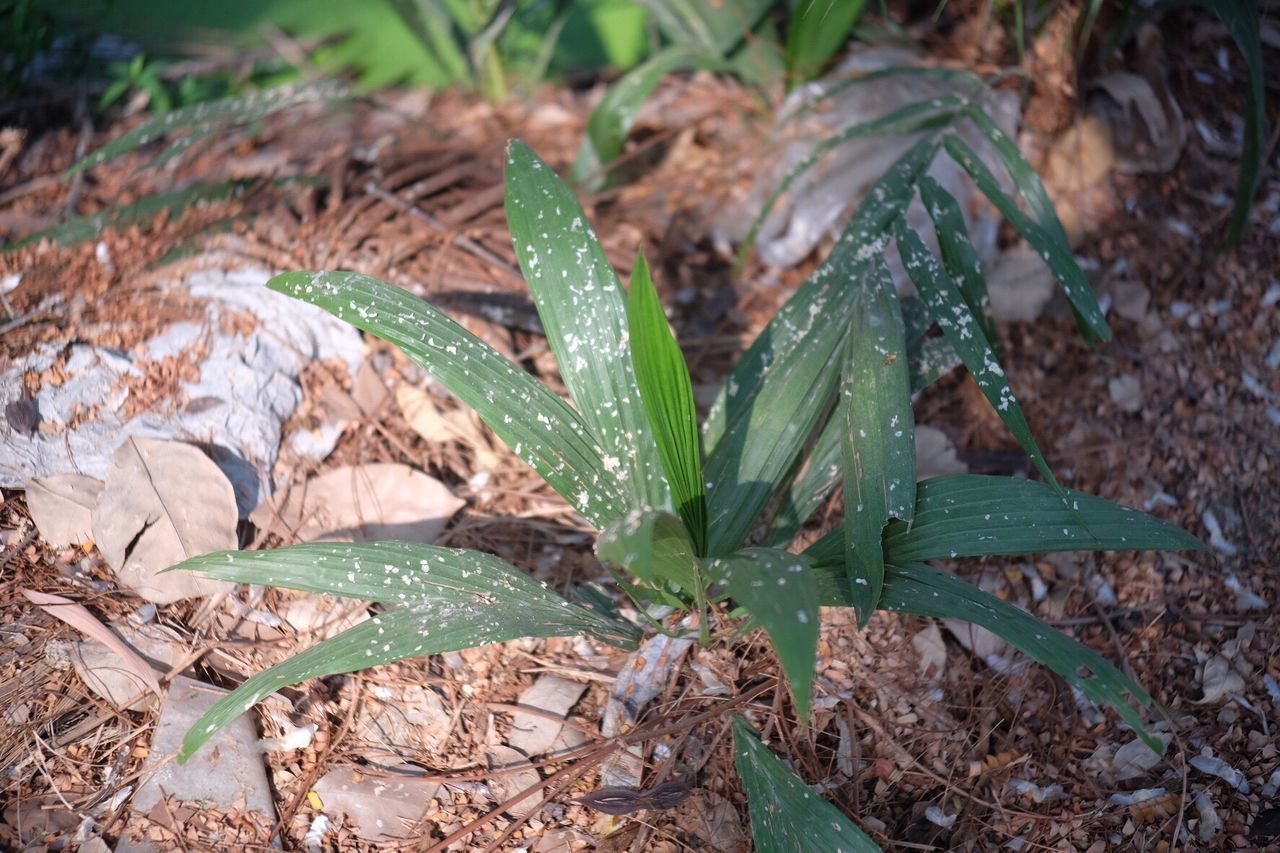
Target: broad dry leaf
(228,774)
(101,670)
(62,507)
(510,773)
(324,616)
(401,721)
(381,808)
(1220,680)
(437,424)
(534,734)
(86,623)
(929,644)
(714,821)
(363,503)
(163,502)
(1134,760)
(369,391)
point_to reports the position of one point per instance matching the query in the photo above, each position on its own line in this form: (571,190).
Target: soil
(925,753)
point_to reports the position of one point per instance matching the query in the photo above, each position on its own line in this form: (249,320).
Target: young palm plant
(682,512)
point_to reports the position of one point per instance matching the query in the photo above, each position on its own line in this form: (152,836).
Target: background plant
(817,29)
(682,514)
(486,44)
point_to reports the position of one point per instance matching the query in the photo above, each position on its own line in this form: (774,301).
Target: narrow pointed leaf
(654,546)
(397,634)
(927,360)
(786,815)
(539,426)
(402,573)
(584,315)
(925,591)
(922,590)
(817,479)
(913,118)
(613,117)
(862,239)
(667,393)
(963,330)
(1024,176)
(776,396)
(240,109)
(141,212)
(878,451)
(717,26)
(817,29)
(1052,246)
(955,78)
(969,515)
(958,255)
(779,592)
(448,599)
(1242,20)
(916,318)
(179,147)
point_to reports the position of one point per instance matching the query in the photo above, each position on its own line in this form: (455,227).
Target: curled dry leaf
(642,678)
(1220,680)
(86,623)
(620,801)
(1147,125)
(932,650)
(163,502)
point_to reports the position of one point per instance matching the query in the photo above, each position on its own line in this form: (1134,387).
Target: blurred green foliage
(491,45)
(382,42)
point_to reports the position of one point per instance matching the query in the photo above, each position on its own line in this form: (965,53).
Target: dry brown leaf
(369,391)
(86,623)
(400,721)
(437,424)
(714,822)
(929,644)
(1156,808)
(363,503)
(62,507)
(381,808)
(100,670)
(1220,680)
(163,502)
(999,761)
(534,734)
(512,774)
